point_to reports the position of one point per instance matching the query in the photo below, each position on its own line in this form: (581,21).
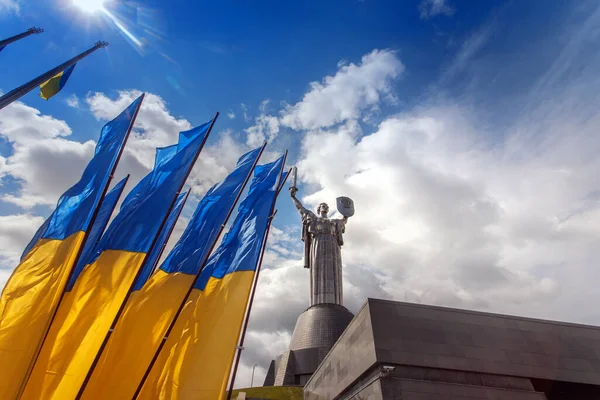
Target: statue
(323,239)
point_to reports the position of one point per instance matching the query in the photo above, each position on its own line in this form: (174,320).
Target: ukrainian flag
(54,85)
(150,311)
(32,293)
(88,311)
(161,241)
(106,210)
(196,359)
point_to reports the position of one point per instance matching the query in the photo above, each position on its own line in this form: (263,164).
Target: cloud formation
(431,8)
(355,91)
(10,6)
(43,162)
(72,101)
(15,233)
(346,94)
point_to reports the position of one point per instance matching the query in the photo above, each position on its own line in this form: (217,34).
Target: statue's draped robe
(323,236)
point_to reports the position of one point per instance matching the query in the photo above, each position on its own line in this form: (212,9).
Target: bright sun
(90,6)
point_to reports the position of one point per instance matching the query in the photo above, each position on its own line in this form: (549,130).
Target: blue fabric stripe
(161,242)
(203,229)
(76,206)
(65,76)
(145,207)
(106,210)
(241,246)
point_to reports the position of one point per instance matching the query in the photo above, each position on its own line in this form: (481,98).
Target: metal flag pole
(85,237)
(22,90)
(240,346)
(203,264)
(252,379)
(12,39)
(139,272)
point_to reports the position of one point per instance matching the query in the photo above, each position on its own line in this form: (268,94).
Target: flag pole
(22,90)
(240,346)
(76,260)
(139,272)
(203,264)
(12,39)
(162,248)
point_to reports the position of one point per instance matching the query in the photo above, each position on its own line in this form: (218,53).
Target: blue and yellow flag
(197,357)
(106,210)
(54,85)
(32,293)
(88,311)
(150,311)
(161,241)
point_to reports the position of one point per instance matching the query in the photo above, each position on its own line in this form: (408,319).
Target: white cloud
(345,95)
(468,50)
(431,8)
(230,114)
(266,127)
(455,211)
(43,160)
(431,220)
(154,127)
(355,91)
(15,233)
(10,6)
(73,101)
(245,112)
(21,123)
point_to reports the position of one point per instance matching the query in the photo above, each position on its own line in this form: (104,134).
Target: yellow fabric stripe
(137,335)
(51,86)
(81,324)
(27,303)
(196,360)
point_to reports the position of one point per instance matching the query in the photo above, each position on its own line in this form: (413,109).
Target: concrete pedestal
(316,331)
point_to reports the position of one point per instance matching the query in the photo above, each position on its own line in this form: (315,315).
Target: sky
(466,132)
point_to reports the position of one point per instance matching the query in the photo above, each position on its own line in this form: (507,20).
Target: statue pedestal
(316,331)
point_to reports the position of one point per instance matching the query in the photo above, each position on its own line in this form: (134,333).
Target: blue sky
(203,57)
(465,131)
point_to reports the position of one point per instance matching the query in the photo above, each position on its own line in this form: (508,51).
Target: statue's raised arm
(303,210)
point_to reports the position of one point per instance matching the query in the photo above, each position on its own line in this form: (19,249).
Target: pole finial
(35,30)
(101,43)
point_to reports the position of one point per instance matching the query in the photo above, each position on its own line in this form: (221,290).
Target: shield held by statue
(345,206)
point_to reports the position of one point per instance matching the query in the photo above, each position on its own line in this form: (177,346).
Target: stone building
(402,351)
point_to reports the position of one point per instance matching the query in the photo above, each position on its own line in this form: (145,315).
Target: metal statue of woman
(323,240)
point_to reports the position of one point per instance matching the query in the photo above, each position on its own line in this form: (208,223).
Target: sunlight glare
(90,6)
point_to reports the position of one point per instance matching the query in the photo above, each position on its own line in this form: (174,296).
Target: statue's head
(323,209)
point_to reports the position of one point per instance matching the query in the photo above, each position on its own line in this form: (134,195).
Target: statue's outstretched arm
(299,205)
